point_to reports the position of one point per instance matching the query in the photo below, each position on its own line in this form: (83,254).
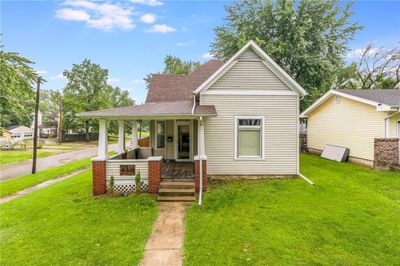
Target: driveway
(14,170)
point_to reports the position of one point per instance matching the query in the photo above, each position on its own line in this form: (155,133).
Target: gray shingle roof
(153,109)
(385,96)
(180,87)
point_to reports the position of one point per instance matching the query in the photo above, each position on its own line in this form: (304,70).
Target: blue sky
(131,38)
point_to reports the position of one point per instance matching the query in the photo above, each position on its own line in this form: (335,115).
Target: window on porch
(160,140)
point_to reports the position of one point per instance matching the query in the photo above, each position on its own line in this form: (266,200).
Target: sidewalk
(14,170)
(165,244)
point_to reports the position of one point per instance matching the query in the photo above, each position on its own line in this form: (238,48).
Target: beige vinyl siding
(350,124)
(249,73)
(280,134)
(393,127)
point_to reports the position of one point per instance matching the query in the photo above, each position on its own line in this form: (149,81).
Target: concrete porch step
(177,184)
(175,198)
(176,192)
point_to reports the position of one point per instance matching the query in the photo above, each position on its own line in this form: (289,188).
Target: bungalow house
(365,121)
(230,119)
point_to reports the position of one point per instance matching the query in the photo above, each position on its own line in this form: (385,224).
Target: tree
(87,90)
(175,66)
(308,39)
(17,95)
(376,68)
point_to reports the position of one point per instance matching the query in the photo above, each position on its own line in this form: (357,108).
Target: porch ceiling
(152,110)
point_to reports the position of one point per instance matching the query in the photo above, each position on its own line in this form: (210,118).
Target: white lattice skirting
(128,186)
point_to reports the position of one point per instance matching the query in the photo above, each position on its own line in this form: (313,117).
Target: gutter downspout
(201,163)
(194,103)
(300,174)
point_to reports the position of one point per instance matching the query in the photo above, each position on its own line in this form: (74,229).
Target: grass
(13,185)
(350,217)
(18,156)
(64,225)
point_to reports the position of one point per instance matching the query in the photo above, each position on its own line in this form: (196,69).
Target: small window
(249,138)
(160,141)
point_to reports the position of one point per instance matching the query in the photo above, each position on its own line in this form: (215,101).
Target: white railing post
(121,137)
(103,140)
(134,144)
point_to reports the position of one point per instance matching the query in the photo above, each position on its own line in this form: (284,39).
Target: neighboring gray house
(232,119)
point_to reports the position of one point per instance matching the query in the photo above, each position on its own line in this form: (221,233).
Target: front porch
(169,156)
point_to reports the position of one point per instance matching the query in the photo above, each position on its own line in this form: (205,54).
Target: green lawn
(350,217)
(17,156)
(64,225)
(13,185)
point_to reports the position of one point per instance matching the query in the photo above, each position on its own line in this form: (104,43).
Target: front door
(184,142)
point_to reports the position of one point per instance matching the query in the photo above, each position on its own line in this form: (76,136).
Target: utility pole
(59,130)
(35,127)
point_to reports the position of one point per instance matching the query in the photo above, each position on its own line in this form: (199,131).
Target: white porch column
(103,140)
(134,135)
(121,136)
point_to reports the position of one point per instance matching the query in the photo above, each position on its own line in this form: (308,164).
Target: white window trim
(251,158)
(156,134)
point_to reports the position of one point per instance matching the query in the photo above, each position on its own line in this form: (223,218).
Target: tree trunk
(87,130)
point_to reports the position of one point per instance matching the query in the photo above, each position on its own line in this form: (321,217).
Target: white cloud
(113,80)
(71,14)
(41,72)
(58,77)
(208,56)
(148,2)
(137,81)
(148,18)
(104,16)
(185,43)
(161,28)
(359,52)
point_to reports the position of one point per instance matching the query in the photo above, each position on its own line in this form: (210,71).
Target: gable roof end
(383,100)
(274,67)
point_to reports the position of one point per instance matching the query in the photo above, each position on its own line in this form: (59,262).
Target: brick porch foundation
(386,153)
(197,174)
(155,173)
(99,177)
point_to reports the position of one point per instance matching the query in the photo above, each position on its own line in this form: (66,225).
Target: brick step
(176,192)
(175,198)
(177,184)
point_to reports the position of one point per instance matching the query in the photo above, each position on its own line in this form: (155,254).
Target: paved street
(22,168)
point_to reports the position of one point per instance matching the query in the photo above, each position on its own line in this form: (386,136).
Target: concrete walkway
(39,186)
(18,169)
(165,244)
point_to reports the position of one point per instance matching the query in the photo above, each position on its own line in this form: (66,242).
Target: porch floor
(178,170)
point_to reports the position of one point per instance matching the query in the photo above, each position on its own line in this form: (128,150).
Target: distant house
(47,131)
(19,133)
(355,119)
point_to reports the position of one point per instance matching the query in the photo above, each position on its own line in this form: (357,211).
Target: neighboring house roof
(153,109)
(386,96)
(180,87)
(383,99)
(274,67)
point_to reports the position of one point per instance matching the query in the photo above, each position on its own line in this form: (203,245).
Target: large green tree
(308,39)
(17,96)
(87,90)
(175,66)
